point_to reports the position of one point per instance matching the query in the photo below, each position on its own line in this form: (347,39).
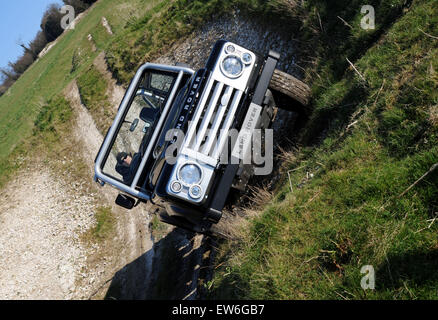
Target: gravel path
(42,218)
(132,237)
(40,224)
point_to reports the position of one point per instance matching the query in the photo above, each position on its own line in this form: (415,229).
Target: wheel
(176,221)
(216,232)
(290,93)
(209,229)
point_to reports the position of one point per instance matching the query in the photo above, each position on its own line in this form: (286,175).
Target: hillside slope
(361,187)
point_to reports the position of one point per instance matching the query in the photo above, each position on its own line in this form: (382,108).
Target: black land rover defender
(169,143)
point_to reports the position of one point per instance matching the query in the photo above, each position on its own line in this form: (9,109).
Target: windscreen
(137,125)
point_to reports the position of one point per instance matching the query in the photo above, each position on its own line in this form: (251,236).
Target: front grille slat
(208,130)
(192,127)
(223,137)
(211,106)
(217,120)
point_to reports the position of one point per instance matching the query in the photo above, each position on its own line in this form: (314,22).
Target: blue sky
(19,20)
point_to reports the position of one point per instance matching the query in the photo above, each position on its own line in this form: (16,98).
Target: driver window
(137,126)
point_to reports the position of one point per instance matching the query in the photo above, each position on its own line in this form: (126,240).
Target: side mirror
(148,115)
(125,201)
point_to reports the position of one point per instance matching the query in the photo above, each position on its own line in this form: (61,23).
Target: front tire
(210,229)
(290,93)
(176,221)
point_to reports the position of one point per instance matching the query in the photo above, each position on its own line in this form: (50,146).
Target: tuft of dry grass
(287,156)
(235,221)
(433,115)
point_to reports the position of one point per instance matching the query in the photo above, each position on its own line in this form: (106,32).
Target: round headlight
(232,66)
(247,58)
(190,174)
(195,191)
(176,186)
(230,48)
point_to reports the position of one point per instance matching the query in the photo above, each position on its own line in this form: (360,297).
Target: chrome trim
(207,115)
(157,130)
(172,184)
(228,46)
(227,124)
(209,152)
(207,177)
(99,175)
(250,57)
(217,106)
(217,120)
(199,109)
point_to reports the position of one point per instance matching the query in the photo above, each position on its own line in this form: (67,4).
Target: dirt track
(40,224)
(43,215)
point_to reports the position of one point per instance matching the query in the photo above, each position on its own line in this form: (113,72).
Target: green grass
(50,124)
(51,116)
(158,229)
(105,223)
(93,89)
(311,243)
(148,36)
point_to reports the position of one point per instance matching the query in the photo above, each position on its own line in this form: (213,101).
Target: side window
(161,82)
(137,126)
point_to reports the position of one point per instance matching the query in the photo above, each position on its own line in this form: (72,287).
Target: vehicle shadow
(172,269)
(413,269)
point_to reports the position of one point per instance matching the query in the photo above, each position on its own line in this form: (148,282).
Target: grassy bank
(371,137)
(93,91)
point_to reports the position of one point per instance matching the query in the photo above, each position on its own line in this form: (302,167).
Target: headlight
(247,58)
(195,191)
(232,66)
(176,186)
(230,49)
(190,173)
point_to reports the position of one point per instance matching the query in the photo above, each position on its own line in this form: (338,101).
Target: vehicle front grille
(208,131)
